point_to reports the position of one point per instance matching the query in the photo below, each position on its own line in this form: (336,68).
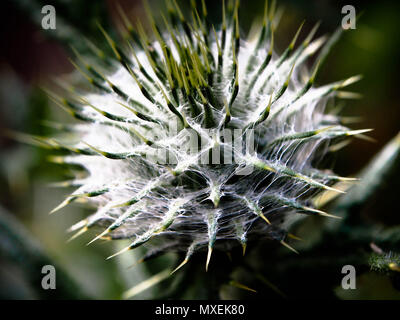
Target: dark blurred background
(32,57)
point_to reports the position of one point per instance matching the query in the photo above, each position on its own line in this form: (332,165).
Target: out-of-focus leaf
(19,248)
(371,178)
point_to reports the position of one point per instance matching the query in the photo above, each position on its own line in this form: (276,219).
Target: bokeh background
(32,57)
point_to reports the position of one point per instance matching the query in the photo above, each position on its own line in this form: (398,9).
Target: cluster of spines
(190,83)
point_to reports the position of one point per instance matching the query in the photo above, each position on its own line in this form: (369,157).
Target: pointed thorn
(119,252)
(79,225)
(356,132)
(244,246)
(180,266)
(77,234)
(322,213)
(236,284)
(333,189)
(265,218)
(61,205)
(348,179)
(289,247)
(296,35)
(210,249)
(98,237)
(294,237)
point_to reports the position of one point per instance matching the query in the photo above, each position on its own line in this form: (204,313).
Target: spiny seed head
(194,138)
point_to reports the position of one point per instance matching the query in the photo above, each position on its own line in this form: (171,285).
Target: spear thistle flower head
(195,138)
